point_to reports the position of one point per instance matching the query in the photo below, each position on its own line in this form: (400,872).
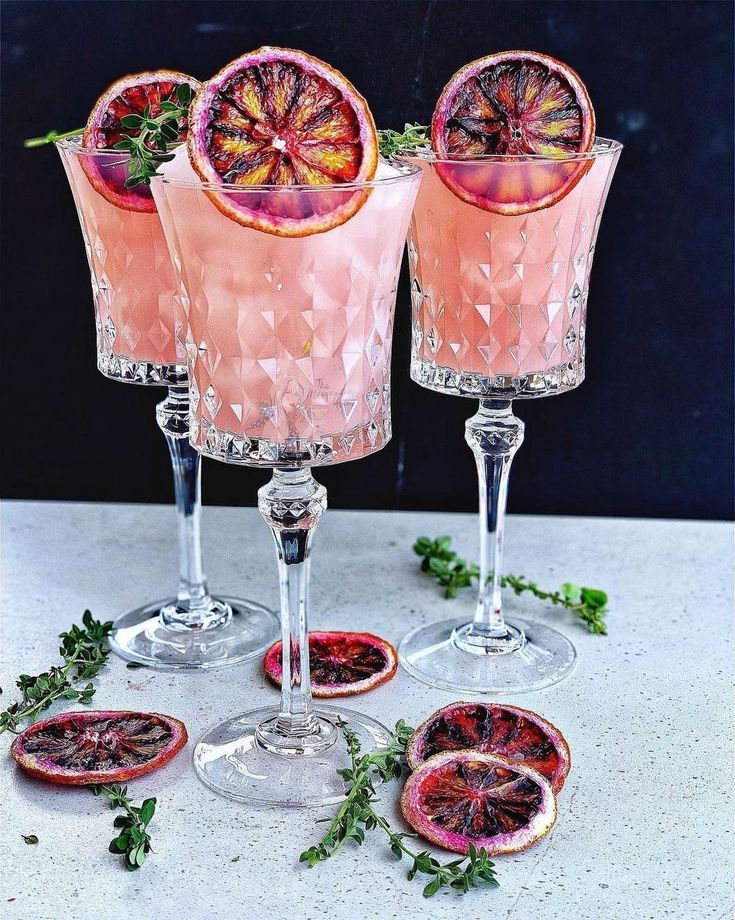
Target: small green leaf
(594,598)
(184,93)
(30,838)
(433,886)
(572,592)
(147,810)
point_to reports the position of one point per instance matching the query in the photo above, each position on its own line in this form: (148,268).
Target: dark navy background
(648,433)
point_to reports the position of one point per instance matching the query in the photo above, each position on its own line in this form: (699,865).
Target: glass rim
(406,171)
(602,147)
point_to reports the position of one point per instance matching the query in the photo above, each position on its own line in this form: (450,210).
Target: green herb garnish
(156,136)
(453,573)
(30,838)
(357,815)
(84,650)
(133,842)
(153,143)
(51,138)
(412,136)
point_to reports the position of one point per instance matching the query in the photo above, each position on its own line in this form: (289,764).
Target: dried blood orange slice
(518,734)
(275,118)
(516,105)
(83,748)
(342,663)
(463,797)
(128,96)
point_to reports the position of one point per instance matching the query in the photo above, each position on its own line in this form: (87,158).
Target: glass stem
(291,504)
(193,606)
(494,434)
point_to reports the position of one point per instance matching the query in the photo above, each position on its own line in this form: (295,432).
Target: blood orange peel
(275,119)
(459,798)
(530,115)
(341,663)
(131,95)
(520,735)
(87,748)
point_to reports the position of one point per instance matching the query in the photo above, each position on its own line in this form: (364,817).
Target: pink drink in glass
(499,301)
(133,281)
(289,339)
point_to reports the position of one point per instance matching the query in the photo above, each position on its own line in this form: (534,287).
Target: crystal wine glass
(289,346)
(499,313)
(137,320)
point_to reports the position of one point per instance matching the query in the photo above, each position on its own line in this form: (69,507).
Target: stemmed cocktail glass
(289,346)
(499,313)
(138,329)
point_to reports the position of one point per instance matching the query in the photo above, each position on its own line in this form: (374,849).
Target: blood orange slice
(128,96)
(460,798)
(276,118)
(342,663)
(516,105)
(518,734)
(84,748)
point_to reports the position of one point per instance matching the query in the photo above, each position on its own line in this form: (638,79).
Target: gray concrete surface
(646,814)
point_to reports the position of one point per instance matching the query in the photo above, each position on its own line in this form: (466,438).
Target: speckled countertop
(645,816)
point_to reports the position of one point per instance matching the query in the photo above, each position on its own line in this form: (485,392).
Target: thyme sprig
(453,573)
(357,815)
(51,137)
(84,651)
(133,842)
(151,146)
(151,139)
(413,136)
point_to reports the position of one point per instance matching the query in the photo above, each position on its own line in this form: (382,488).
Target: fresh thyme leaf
(412,136)
(84,651)
(453,573)
(357,815)
(133,842)
(30,838)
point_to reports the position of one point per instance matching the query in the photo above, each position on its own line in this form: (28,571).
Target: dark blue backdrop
(650,431)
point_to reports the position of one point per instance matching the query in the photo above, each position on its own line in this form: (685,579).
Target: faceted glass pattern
(133,282)
(288,339)
(500,302)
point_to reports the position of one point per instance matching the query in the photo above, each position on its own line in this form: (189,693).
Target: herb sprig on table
(84,651)
(357,815)
(453,573)
(133,842)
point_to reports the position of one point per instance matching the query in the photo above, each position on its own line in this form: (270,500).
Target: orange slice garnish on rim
(277,118)
(127,96)
(518,106)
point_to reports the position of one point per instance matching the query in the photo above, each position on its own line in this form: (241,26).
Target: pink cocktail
(138,316)
(288,342)
(500,251)
(499,300)
(133,281)
(289,339)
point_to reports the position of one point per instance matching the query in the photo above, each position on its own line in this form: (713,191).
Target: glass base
(237,758)
(442,655)
(236,630)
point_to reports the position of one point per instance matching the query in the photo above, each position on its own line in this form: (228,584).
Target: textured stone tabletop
(646,813)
